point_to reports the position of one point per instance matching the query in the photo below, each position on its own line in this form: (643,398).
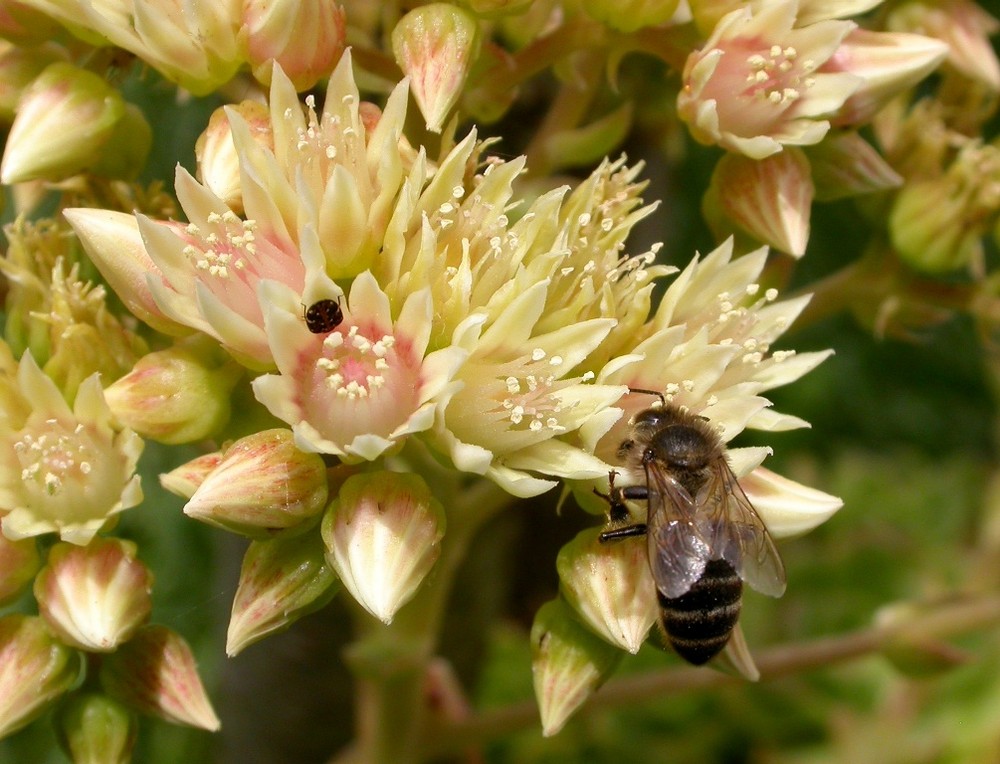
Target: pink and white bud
(383,535)
(35,669)
(771,198)
(610,587)
(183,481)
(281,580)
(95,729)
(62,123)
(94,597)
(19,562)
(113,242)
(568,663)
(887,63)
(218,160)
(263,485)
(305,39)
(846,165)
(435,46)
(178,395)
(155,673)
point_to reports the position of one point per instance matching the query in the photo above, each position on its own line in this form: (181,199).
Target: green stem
(390,661)
(945,621)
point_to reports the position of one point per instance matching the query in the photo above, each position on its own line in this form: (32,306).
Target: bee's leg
(639,529)
(618,512)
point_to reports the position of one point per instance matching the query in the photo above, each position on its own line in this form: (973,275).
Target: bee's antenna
(657,393)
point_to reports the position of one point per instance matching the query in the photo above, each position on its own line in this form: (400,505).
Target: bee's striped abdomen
(698,623)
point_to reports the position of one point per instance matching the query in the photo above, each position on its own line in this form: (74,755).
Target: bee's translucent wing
(736,534)
(677,549)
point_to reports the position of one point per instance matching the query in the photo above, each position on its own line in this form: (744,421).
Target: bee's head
(681,446)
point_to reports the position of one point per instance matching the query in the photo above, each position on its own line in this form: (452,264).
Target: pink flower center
(230,260)
(755,85)
(365,381)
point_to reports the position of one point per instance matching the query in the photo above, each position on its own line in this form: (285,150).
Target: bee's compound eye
(323,316)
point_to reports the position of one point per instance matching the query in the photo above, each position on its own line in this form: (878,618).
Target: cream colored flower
(521,391)
(709,351)
(756,85)
(332,176)
(62,470)
(362,388)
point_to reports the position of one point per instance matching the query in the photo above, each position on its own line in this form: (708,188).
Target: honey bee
(704,536)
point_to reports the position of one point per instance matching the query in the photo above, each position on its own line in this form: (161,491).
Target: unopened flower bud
(568,662)
(769,198)
(26,26)
(281,580)
(937,224)
(94,597)
(62,122)
(610,587)
(178,395)
(435,45)
(304,39)
(846,165)
(495,8)
(155,673)
(630,15)
(183,481)
(19,563)
(887,64)
(218,160)
(382,536)
(95,729)
(19,67)
(262,485)
(112,241)
(125,152)
(963,25)
(35,669)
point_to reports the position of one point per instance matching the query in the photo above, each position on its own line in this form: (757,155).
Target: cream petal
(517,483)
(558,459)
(775,374)
(770,420)
(787,508)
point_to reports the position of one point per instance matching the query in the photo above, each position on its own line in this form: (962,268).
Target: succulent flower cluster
(492,336)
